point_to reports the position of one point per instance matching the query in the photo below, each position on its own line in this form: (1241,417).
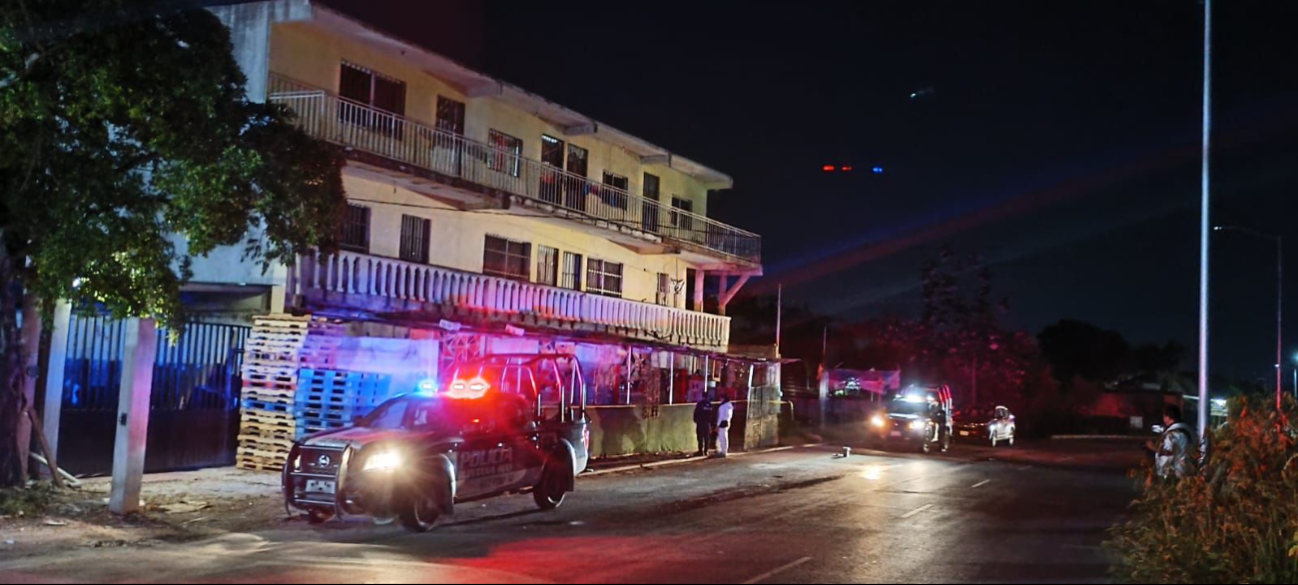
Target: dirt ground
(177,507)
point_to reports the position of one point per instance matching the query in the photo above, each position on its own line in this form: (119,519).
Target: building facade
(473,198)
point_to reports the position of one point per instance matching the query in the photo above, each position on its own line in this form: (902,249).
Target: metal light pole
(1204,223)
(1279,302)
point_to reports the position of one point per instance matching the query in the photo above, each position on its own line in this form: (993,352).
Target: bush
(27,501)
(1233,521)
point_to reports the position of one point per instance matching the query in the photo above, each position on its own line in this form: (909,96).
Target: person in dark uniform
(703,420)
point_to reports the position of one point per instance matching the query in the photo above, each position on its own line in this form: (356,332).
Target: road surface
(798,515)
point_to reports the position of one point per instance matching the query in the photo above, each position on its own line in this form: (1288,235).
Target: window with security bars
(571,273)
(506,153)
(415,237)
(371,91)
(663,296)
(604,277)
(508,258)
(547,266)
(356,229)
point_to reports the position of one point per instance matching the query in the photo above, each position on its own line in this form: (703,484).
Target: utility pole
(1204,222)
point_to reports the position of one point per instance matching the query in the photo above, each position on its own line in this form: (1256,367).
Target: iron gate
(194,410)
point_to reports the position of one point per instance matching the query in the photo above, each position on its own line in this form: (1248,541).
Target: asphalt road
(793,516)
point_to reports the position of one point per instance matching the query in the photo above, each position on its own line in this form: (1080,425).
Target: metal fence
(194,407)
(335,119)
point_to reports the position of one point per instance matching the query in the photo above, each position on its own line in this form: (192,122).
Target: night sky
(1059,140)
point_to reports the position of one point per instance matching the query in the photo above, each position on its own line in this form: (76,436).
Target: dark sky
(1059,140)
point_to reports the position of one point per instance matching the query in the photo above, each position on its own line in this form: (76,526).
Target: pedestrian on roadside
(703,416)
(1171,454)
(725,414)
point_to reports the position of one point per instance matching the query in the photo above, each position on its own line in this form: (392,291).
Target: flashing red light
(470,390)
(829,168)
(847,169)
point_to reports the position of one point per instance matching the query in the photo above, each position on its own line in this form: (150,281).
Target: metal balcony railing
(342,121)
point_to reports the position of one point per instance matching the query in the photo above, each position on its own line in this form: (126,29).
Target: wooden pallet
(262,405)
(274,435)
(269,395)
(308,426)
(262,443)
(255,463)
(284,420)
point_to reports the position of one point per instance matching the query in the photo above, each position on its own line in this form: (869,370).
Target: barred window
(356,228)
(415,235)
(604,277)
(547,266)
(508,258)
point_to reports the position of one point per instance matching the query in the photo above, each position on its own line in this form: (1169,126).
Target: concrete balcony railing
(352,280)
(377,132)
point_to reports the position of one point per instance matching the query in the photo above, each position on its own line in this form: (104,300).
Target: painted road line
(1024,468)
(916,511)
(777,571)
(981,483)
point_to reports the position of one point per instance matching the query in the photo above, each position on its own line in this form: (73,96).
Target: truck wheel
(993,433)
(422,513)
(548,493)
(1011,439)
(925,444)
(318,516)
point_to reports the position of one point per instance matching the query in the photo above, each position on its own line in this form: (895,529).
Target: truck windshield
(905,407)
(425,414)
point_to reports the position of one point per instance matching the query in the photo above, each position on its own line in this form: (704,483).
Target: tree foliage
(1234,521)
(122,126)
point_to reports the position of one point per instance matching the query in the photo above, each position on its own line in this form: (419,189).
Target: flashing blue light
(427,387)
(877,170)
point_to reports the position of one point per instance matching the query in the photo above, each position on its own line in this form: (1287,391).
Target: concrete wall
(624,430)
(306,53)
(458,238)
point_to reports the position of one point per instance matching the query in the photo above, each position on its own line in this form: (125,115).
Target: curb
(668,462)
(1099,437)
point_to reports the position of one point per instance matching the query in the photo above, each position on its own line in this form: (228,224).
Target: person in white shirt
(1173,448)
(725,414)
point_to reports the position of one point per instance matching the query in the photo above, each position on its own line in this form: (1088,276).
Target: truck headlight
(917,425)
(383,461)
(877,421)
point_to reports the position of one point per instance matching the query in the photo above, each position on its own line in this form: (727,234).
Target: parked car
(1001,428)
(971,423)
(505,424)
(917,416)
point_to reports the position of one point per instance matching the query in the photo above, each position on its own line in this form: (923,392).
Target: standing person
(1173,449)
(725,414)
(703,424)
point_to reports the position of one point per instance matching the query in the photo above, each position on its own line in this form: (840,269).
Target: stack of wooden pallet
(273,355)
(330,399)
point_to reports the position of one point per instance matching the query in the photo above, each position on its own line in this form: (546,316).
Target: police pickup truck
(918,416)
(504,424)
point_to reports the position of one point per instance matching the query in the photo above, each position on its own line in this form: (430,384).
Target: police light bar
(475,388)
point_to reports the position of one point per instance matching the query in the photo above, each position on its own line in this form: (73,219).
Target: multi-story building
(481,218)
(469,196)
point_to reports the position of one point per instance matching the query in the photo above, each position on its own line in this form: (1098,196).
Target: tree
(122,124)
(1076,349)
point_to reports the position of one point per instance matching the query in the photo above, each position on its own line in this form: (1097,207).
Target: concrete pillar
(138,352)
(823,402)
(671,378)
(31,334)
(54,377)
(699,275)
(250,26)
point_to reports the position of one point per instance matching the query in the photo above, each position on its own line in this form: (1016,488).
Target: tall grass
(1233,520)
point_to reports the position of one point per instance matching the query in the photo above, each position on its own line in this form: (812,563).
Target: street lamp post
(1279,304)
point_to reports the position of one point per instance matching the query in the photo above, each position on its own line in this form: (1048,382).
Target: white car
(1001,428)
